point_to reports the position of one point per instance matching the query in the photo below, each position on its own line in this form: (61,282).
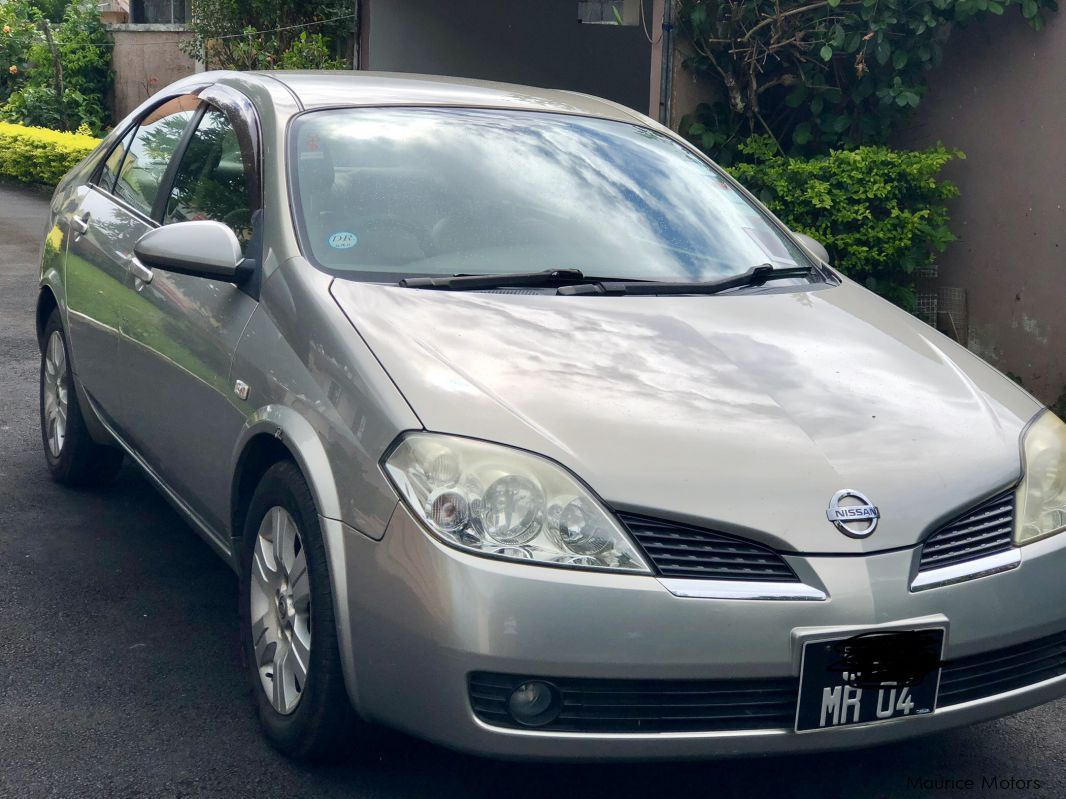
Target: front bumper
(417,617)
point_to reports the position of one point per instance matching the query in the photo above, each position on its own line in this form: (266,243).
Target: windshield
(385,193)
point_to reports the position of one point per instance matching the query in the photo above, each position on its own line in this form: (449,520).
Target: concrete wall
(536,42)
(1000,97)
(145,59)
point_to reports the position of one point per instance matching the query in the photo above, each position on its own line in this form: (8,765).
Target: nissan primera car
(530,432)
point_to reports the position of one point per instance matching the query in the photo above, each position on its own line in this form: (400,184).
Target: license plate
(870,677)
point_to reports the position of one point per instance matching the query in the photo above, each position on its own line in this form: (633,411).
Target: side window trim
(242,116)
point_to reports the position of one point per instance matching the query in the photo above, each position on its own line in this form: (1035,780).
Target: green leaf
(834,3)
(796,97)
(899,59)
(826,52)
(802,133)
(882,52)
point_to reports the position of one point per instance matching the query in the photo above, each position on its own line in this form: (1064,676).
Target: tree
(271,34)
(819,74)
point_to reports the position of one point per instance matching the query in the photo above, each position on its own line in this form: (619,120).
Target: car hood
(743,413)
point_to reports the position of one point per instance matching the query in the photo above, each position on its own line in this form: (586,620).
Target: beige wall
(1000,97)
(145,59)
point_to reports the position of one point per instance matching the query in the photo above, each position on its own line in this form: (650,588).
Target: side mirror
(201,249)
(813,246)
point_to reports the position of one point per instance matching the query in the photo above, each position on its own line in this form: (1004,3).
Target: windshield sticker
(342,240)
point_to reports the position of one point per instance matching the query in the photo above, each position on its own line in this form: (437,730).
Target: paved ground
(119,664)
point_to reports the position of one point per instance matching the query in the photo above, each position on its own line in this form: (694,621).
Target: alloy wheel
(281,610)
(56,388)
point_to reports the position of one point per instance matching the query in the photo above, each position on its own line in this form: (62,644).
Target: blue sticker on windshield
(343,240)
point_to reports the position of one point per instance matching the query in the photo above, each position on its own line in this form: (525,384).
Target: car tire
(74,459)
(283,618)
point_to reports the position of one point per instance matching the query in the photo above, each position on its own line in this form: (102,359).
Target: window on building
(159,12)
(609,12)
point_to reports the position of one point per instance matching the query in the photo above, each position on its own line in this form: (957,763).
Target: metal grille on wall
(158,12)
(945,308)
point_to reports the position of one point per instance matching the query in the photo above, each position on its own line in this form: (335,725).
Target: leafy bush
(288,34)
(39,155)
(310,52)
(17,36)
(880,213)
(82,45)
(819,75)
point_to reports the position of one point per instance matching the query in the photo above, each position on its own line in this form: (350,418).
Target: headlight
(1042,493)
(497,501)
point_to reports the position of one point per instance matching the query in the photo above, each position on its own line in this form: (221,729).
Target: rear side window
(114,161)
(151,150)
(211,181)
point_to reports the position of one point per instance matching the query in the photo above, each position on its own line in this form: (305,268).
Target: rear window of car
(383,193)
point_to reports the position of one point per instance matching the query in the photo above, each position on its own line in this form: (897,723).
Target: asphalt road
(119,665)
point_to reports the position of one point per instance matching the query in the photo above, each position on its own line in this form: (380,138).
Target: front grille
(1002,670)
(679,550)
(647,705)
(983,531)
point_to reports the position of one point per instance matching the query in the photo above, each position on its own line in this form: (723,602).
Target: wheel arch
(46,303)
(273,434)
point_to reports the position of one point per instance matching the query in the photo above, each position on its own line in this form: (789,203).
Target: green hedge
(881,213)
(40,155)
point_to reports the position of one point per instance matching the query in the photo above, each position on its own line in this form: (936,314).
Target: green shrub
(17,35)
(285,34)
(881,213)
(83,48)
(820,75)
(39,155)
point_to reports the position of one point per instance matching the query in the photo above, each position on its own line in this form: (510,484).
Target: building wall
(145,59)
(535,42)
(1000,97)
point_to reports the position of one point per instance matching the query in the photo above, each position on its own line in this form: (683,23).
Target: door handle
(139,270)
(80,224)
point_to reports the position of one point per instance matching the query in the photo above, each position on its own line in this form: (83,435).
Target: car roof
(317,89)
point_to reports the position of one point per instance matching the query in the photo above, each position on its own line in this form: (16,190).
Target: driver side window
(211,181)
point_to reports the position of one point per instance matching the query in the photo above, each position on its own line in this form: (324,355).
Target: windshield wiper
(547,278)
(756,276)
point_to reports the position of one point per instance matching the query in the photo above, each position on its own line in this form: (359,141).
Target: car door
(110,213)
(180,333)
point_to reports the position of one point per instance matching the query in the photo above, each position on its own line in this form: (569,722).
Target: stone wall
(145,59)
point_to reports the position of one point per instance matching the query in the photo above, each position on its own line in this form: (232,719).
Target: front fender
(301,439)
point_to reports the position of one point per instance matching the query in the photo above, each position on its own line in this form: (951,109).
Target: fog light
(534,703)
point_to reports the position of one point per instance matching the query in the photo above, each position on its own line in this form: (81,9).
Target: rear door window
(150,152)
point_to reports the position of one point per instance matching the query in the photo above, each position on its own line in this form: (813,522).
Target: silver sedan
(530,432)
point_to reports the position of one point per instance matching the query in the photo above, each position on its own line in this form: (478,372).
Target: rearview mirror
(201,249)
(813,246)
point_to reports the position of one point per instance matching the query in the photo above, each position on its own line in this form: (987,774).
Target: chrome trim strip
(970,570)
(740,589)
